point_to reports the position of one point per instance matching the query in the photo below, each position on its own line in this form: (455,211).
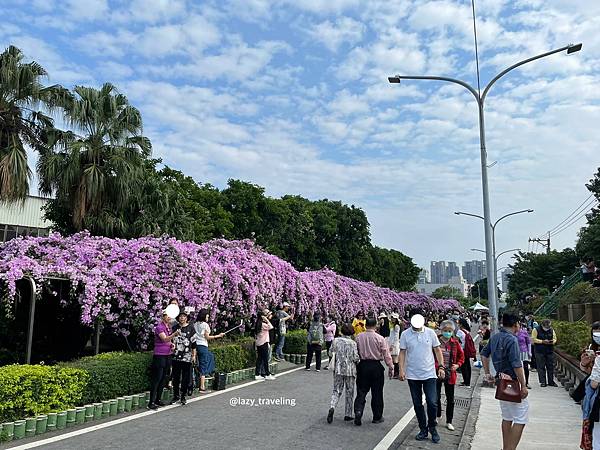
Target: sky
(293,96)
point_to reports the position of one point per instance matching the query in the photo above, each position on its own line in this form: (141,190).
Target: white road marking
(389,438)
(92,428)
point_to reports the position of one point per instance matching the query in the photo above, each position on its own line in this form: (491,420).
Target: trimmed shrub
(572,337)
(114,374)
(30,390)
(581,293)
(295,342)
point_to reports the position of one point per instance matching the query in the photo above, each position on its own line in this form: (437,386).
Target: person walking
(453,359)
(503,349)
(161,360)
(314,341)
(525,350)
(384,325)
(284,316)
(418,346)
(344,354)
(359,323)
(469,351)
(184,352)
(261,329)
(544,339)
(330,329)
(372,349)
(206,359)
(393,341)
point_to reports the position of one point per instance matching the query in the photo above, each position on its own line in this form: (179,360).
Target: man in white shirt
(417,365)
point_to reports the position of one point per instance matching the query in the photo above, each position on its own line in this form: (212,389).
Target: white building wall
(28,214)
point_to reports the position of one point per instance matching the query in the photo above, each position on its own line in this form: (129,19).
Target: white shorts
(515,412)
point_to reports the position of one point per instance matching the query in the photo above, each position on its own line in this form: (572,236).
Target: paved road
(212,423)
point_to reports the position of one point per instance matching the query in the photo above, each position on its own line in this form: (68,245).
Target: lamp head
(395,79)
(574,48)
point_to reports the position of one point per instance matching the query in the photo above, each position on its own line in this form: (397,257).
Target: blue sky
(293,95)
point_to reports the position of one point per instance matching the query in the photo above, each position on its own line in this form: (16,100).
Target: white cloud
(333,34)
(86,9)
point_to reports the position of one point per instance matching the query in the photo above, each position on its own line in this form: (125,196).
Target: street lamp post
(480,98)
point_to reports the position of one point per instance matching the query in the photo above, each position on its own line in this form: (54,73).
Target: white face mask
(596,337)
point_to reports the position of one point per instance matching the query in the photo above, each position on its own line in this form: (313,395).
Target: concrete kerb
(468,431)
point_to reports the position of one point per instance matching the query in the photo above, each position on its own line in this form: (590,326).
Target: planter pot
(302,359)
(120,404)
(135,401)
(71,417)
(41,423)
(80,415)
(128,403)
(228,379)
(51,426)
(147,397)
(97,411)
(105,408)
(30,426)
(166,396)
(113,407)
(8,431)
(143,400)
(19,429)
(89,413)
(61,420)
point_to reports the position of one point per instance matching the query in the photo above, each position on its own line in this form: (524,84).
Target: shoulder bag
(508,390)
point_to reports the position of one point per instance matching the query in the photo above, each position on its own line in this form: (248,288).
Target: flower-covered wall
(127,283)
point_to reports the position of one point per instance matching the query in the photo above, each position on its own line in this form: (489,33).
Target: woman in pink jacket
(263,325)
(330,329)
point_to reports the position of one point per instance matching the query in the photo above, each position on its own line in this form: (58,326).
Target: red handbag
(508,390)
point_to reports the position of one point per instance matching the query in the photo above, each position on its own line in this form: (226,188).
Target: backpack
(470,351)
(313,332)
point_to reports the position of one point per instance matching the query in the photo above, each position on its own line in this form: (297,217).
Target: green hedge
(114,374)
(572,337)
(295,342)
(31,390)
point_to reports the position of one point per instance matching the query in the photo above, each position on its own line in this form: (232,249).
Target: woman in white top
(206,359)
(394,341)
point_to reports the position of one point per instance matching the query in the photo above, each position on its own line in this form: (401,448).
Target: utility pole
(544,242)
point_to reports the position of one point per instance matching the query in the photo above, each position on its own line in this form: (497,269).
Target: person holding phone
(261,328)
(206,359)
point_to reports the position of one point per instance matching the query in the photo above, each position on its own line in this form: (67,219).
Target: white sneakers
(450,426)
(258,377)
(270,377)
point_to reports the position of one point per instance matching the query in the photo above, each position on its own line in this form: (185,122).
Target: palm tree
(22,123)
(97,168)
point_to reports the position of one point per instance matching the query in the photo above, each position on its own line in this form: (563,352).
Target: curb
(469,430)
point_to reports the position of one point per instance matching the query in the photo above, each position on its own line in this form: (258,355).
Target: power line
(575,219)
(573,213)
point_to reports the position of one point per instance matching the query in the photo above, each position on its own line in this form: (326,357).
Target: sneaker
(330,415)
(450,426)
(152,406)
(326,368)
(183,401)
(435,437)
(318,370)
(543,385)
(553,384)
(527,386)
(380,420)
(258,377)
(270,377)
(307,369)
(422,435)
(348,418)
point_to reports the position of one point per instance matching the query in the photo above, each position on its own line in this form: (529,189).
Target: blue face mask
(447,334)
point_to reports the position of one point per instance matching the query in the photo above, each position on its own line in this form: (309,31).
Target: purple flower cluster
(127,283)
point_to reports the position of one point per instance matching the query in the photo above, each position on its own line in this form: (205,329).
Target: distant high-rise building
(424,276)
(474,271)
(438,272)
(505,276)
(452,271)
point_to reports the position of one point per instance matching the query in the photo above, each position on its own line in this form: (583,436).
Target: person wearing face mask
(453,359)
(544,338)
(503,349)
(419,349)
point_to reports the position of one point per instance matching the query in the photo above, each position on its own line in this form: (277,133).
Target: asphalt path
(221,421)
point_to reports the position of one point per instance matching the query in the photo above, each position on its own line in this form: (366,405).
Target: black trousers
(465,369)
(316,349)
(369,377)
(328,346)
(545,367)
(449,389)
(262,360)
(160,369)
(526,370)
(181,377)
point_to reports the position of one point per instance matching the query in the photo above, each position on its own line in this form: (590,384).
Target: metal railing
(553,300)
